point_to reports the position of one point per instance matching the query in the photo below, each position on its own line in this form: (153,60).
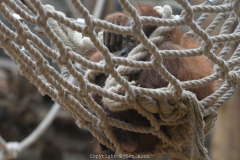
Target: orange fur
(147,10)
(191,68)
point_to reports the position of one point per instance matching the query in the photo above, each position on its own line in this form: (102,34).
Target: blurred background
(22,108)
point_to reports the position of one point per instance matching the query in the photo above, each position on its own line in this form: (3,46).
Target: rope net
(187,118)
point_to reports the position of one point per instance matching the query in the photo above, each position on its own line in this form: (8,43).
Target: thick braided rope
(119,94)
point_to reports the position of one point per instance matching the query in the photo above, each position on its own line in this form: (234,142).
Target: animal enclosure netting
(189,121)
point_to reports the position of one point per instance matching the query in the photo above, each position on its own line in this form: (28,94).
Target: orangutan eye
(132,40)
(124,38)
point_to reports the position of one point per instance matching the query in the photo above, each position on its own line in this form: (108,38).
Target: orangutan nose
(129,146)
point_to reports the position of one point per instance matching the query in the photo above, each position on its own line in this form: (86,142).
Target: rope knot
(209,44)
(61,60)
(129,100)
(99,126)
(107,69)
(220,73)
(62,95)
(232,83)
(22,69)
(137,25)
(41,91)
(41,69)
(20,40)
(83,94)
(64,54)
(41,22)
(4,41)
(224,74)
(81,122)
(234,77)
(88,30)
(135,31)
(157,62)
(13,149)
(175,94)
